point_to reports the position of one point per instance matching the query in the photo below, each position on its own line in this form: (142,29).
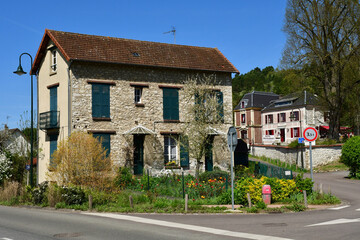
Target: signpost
(310,135)
(232,142)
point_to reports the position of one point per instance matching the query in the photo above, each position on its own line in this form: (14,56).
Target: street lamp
(20,72)
(293,117)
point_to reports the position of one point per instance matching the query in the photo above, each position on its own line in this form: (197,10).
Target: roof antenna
(173,31)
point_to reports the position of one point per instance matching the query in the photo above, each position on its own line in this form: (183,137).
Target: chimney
(6,127)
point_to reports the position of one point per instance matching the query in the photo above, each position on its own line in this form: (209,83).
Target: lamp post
(20,72)
(293,117)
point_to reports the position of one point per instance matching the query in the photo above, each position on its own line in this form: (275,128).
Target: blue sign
(301,140)
(27,167)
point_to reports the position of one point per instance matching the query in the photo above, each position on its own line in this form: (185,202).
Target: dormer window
(53,60)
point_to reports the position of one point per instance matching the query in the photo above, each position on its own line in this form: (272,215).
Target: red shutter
(292,133)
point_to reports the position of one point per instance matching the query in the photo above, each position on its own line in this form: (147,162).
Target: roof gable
(82,47)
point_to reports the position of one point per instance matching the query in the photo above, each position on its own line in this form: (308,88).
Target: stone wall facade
(321,155)
(125,114)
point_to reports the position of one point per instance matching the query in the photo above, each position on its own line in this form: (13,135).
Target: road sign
(301,140)
(27,167)
(232,138)
(310,134)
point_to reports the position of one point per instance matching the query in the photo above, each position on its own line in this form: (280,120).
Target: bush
(39,193)
(295,144)
(205,176)
(124,178)
(72,195)
(10,191)
(304,184)
(350,156)
(53,195)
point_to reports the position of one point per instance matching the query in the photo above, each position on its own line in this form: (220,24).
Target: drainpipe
(69,98)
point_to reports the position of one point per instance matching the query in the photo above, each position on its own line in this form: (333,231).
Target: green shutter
(170,104)
(220,99)
(184,151)
(105,141)
(100,100)
(53,147)
(53,106)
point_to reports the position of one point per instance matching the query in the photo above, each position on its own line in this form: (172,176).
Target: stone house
(248,115)
(127,92)
(14,141)
(285,119)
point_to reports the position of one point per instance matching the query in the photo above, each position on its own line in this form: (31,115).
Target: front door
(209,154)
(138,154)
(282,134)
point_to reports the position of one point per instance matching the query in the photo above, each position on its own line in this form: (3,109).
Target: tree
(204,111)
(323,38)
(81,160)
(350,156)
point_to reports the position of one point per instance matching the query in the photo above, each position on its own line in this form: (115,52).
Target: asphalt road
(337,223)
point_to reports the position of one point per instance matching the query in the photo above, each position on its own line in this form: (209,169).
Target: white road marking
(187,227)
(5,239)
(337,221)
(338,208)
(358,209)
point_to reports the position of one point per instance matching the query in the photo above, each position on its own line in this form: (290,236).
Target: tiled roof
(257,99)
(92,48)
(297,99)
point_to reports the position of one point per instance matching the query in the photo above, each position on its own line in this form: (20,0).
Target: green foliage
(295,144)
(350,156)
(73,195)
(253,209)
(124,178)
(39,193)
(205,176)
(304,184)
(296,207)
(260,205)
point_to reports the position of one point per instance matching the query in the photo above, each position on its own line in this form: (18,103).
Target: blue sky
(247,32)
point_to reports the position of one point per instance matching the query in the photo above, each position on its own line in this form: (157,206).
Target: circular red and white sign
(310,134)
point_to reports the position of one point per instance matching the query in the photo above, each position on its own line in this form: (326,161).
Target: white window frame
(170,149)
(53,60)
(138,94)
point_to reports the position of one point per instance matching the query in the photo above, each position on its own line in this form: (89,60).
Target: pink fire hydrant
(266,194)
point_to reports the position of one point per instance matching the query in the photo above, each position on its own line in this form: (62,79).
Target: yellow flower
(202,197)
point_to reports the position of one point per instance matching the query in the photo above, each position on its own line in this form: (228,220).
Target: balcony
(49,120)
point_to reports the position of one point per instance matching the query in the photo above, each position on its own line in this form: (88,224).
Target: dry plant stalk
(81,160)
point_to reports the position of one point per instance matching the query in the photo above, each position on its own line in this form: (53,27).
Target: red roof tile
(84,47)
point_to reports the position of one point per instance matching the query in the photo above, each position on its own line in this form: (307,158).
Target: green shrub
(295,144)
(350,156)
(72,195)
(296,207)
(124,178)
(205,176)
(260,205)
(39,193)
(304,184)
(161,203)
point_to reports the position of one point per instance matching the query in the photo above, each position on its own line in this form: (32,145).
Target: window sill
(139,105)
(172,167)
(97,119)
(53,73)
(171,121)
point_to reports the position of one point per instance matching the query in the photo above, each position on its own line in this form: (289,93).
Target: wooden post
(131,201)
(90,202)
(321,188)
(305,199)
(186,202)
(249,200)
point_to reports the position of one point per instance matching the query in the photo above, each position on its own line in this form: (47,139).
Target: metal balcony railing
(49,120)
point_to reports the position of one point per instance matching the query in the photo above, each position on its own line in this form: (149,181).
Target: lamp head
(20,71)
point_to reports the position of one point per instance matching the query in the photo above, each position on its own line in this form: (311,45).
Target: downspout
(37,129)
(69,99)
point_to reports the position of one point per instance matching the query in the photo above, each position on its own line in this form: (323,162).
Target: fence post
(148,182)
(305,199)
(249,200)
(90,202)
(321,188)
(186,202)
(183,184)
(131,201)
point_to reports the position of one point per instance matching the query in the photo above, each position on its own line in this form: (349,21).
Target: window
(295,132)
(184,151)
(281,117)
(242,118)
(53,146)
(53,106)
(210,106)
(138,94)
(170,149)
(269,132)
(244,134)
(269,118)
(105,141)
(294,116)
(170,104)
(100,100)
(53,60)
